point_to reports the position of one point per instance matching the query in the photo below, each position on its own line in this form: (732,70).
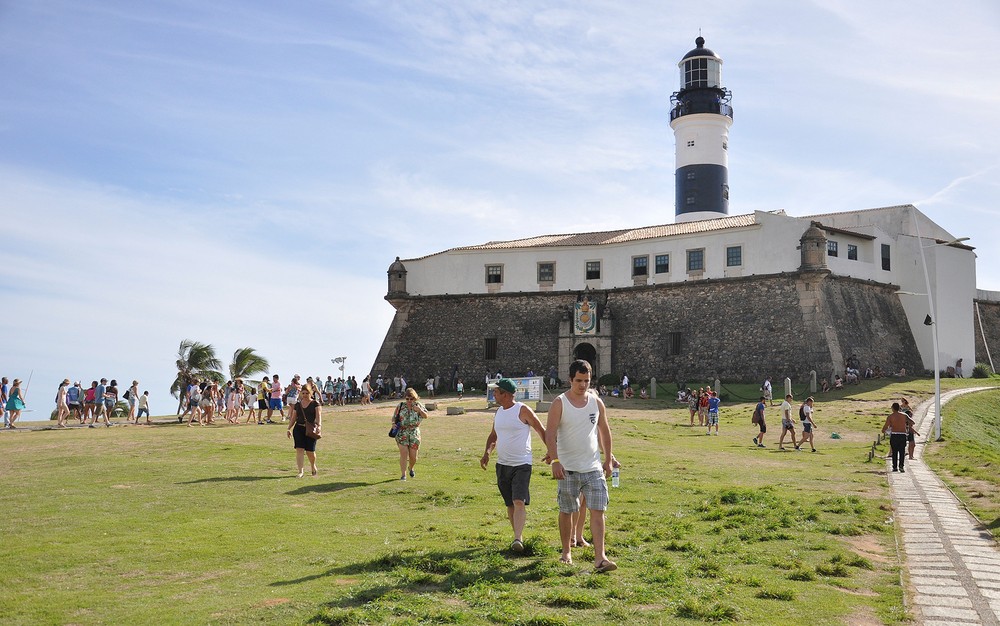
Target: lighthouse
(700,116)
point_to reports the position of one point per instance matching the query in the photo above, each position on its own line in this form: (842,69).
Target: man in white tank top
(511,437)
(577,432)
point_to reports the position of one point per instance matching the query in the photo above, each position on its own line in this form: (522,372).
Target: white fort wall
(769,245)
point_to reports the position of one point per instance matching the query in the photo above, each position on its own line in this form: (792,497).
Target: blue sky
(243,173)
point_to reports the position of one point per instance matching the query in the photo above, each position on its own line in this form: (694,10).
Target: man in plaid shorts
(576,433)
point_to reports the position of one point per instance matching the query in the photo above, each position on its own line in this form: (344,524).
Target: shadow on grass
(994,525)
(333,487)
(232,479)
(438,570)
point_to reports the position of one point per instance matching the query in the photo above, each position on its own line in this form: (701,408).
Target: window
(852,252)
(691,144)
(885,257)
(831,248)
(725,145)
(690,200)
(593,270)
(725,192)
(696,260)
(640,265)
(662,263)
(734,256)
(494,274)
(696,73)
(546,272)
(690,175)
(490,352)
(673,344)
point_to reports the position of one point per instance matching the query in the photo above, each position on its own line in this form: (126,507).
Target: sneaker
(798,449)
(755,442)
(411,473)
(517,547)
(814,449)
(760,445)
(902,471)
(709,433)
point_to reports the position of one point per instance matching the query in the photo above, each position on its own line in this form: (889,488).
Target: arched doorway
(588,353)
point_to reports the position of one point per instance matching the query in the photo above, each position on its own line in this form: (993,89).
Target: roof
(610,237)
(700,50)
(841,231)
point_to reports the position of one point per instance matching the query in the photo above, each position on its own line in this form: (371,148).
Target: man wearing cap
(577,432)
(74,399)
(511,437)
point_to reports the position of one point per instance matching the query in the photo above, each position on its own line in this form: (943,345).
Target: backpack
(802,415)
(756,417)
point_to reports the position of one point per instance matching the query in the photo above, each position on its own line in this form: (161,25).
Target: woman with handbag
(408,417)
(304,429)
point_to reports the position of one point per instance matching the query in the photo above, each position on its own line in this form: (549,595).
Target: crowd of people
(99,402)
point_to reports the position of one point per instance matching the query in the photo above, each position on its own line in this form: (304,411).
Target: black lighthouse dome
(700,50)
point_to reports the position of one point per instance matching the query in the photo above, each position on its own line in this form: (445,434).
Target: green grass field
(168,524)
(969,458)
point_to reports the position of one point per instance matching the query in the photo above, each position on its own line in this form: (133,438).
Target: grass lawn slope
(169,524)
(969,457)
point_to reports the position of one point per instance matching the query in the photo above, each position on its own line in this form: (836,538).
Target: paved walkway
(952,561)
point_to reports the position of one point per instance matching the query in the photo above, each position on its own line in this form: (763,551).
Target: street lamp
(932,321)
(343,363)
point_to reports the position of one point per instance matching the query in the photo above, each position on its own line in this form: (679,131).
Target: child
(713,412)
(460,388)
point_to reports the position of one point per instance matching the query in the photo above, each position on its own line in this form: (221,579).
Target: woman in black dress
(305,410)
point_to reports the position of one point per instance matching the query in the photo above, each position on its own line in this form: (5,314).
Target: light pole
(932,321)
(343,363)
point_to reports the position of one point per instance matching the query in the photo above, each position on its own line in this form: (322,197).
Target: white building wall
(769,247)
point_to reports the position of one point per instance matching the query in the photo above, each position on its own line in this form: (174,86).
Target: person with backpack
(132,395)
(74,399)
(758,419)
(805,418)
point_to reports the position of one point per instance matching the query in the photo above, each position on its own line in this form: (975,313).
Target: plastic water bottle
(614,476)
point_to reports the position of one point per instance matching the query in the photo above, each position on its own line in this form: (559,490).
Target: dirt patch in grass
(869,547)
(272,602)
(863,616)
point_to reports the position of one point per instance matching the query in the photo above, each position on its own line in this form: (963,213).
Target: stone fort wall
(736,328)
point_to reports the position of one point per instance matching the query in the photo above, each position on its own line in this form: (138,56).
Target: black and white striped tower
(700,116)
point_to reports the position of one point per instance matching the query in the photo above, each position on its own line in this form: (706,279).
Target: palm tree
(195,360)
(247,363)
